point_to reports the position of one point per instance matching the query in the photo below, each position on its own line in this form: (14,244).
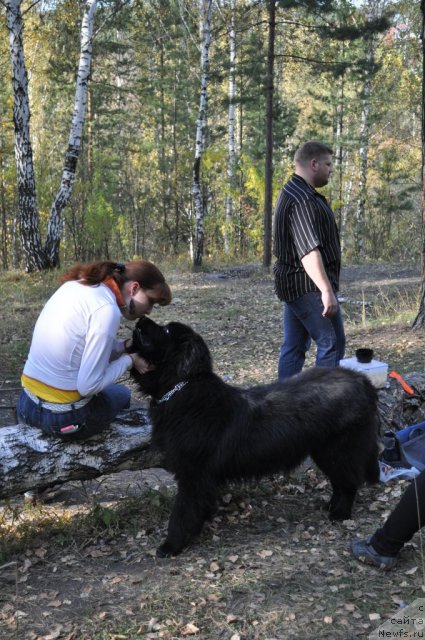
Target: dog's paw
(339,516)
(165,550)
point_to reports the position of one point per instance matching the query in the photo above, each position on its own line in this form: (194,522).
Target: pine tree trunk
(419,322)
(75,137)
(175,190)
(231,131)
(206,10)
(364,154)
(268,189)
(374,9)
(35,258)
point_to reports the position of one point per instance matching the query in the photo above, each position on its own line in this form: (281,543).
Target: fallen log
(32,461)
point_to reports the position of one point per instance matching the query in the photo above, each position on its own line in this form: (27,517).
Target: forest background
(346,73)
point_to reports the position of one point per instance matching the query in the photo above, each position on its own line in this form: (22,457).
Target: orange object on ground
(407,388)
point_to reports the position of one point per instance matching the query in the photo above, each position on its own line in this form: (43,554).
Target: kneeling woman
(75,359)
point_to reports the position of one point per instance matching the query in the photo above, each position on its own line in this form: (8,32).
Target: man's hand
(330,303)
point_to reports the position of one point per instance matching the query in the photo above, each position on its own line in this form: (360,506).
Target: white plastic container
(375,370)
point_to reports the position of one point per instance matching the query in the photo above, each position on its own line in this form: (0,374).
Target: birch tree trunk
(74,142)
(268,188)
(31,460)
(231,130)
(206,11)
(419,322)
(338,147)
(35,258)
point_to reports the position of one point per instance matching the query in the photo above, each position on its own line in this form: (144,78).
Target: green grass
(23,296)
(22,526)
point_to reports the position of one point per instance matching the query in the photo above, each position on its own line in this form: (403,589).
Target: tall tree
(205,15)
(231,155)
(36,256)
(419,322)
(75,136)
(268,187)
(375,9)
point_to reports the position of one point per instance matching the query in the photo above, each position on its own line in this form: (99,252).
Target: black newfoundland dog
(211,432)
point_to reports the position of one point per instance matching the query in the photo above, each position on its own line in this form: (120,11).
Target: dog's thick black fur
(212,432)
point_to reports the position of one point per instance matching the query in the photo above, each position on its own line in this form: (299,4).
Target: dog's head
(175,351)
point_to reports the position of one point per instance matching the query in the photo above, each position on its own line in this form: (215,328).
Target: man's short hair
(310,150)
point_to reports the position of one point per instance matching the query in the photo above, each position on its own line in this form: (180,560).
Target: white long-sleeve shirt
(74,341)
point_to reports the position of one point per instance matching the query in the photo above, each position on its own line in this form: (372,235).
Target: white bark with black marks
(74,142)
(37,257)
(30,460)
(27,200)
(231,129)
(201,123)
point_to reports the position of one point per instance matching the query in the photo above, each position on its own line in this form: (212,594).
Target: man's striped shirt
(303,222)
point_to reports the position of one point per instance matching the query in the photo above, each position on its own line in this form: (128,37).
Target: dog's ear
(188,351)
(194,358)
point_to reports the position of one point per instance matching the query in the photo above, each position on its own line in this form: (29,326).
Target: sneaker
(363,551)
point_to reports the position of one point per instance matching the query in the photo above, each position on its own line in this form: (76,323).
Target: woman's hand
(140,364)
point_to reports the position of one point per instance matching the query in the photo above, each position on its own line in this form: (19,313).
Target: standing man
(308,264)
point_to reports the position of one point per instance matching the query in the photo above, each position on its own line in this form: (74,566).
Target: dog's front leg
(193,505)
(341,503)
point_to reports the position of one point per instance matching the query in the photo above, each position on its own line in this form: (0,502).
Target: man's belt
(57,407)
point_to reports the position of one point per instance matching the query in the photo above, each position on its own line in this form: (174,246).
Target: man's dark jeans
(302,323)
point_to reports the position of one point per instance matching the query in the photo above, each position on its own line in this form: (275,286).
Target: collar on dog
(170,393)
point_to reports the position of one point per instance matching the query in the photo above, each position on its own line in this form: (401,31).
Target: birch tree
(38,257)
(35,258)
(205,26)
(231,129)
(75,137)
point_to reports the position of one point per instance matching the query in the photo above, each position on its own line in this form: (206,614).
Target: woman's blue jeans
(302,323)
(92,418)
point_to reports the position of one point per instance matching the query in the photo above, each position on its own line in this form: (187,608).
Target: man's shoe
(363,551)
